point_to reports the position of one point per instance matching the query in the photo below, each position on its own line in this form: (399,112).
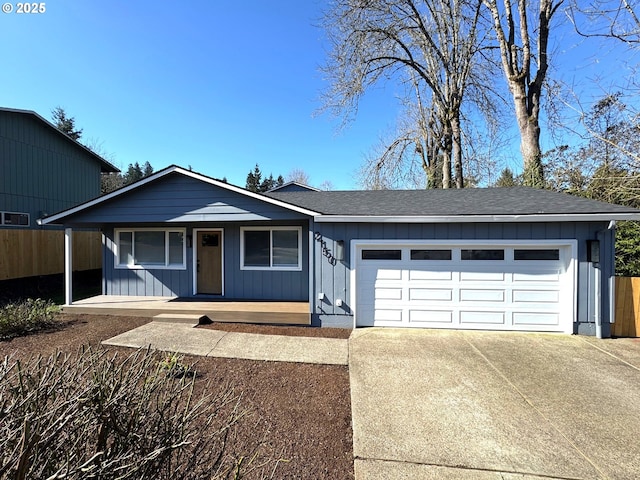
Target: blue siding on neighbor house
(238,284)
(178,199)
(334,280)
(42,172)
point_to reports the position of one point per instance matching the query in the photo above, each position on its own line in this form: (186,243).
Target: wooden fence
(28,253)
(627,307)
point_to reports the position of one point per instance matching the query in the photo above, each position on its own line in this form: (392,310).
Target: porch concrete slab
(525,405)
(181,338)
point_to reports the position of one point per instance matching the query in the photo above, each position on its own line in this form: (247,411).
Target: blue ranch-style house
(496,259)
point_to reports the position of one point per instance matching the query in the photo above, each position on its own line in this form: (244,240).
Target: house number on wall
(325,250)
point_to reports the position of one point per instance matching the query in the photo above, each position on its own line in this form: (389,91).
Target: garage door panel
(389,274)
(431,316)
(536,296)
(416,275)
(388,293)
(388,315)
(535,318)
(466,276)
(487,318)
(477,295)
(433,294)
(537,277)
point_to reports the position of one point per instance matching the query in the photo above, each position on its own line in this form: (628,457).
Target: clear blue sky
(216,85)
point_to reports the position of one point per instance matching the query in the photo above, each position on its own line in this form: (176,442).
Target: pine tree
(65,124)
(254,180)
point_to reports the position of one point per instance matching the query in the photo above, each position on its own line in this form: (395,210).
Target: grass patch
(26,316)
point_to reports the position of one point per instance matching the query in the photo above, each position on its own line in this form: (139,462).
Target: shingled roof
(437,202)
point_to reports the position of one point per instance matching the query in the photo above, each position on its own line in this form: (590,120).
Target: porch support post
(68,265)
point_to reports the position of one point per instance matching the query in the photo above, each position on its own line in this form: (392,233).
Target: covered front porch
(217,310)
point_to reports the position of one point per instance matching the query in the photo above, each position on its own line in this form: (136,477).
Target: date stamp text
(24,8)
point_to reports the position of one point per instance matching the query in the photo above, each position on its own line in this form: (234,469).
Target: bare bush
(96,415)
(26,316)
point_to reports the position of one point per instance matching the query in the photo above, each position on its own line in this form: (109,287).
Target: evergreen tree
(147,169)
(255,183)
(507,179)
(65,124)
(254,180)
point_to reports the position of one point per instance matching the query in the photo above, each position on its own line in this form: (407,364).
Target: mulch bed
(305,408)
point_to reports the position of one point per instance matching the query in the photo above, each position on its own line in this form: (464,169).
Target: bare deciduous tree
(431,44)
(298,175)
(617,19)
(524,55)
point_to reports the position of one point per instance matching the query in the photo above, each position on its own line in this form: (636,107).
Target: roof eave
(588,217)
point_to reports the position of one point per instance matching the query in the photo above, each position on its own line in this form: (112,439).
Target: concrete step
(183,318)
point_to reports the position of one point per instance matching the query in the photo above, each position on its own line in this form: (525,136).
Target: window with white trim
(271,248)
(150,248)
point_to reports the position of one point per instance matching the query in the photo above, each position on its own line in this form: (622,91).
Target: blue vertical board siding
(179,199)
(238,284)
(41,171)
(328,279)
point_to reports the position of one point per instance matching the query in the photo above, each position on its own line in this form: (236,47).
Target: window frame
(14,225)
(473,252)
(393,254)
(541,251)
(271,266)
(150,266)
(415,252)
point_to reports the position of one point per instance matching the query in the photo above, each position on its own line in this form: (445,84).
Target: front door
(209,262)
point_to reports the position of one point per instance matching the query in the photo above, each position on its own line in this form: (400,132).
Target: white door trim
(571,271)
(194,243)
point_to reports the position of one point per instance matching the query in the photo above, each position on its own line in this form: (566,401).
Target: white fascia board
(589,217)
(162,173)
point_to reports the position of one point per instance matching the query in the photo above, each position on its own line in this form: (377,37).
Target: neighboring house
(42,171)
(293,187)
(495,259)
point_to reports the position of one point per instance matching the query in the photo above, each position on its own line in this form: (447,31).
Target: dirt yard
(305,409)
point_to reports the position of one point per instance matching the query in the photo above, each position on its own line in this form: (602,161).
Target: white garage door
(469,286)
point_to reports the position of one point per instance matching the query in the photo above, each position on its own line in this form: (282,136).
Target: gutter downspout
(598,289)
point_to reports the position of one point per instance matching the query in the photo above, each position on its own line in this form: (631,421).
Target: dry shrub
(96,415)
(26,316)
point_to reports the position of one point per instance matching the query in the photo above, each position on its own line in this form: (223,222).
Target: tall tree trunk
(525,86)
(446,158)
(456,136)
(527,112)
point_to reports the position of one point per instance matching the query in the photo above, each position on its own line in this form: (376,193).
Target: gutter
(538,217)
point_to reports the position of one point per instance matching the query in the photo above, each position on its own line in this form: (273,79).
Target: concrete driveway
(433,404)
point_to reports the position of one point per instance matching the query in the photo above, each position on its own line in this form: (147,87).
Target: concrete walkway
(431,404)
(183,338)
